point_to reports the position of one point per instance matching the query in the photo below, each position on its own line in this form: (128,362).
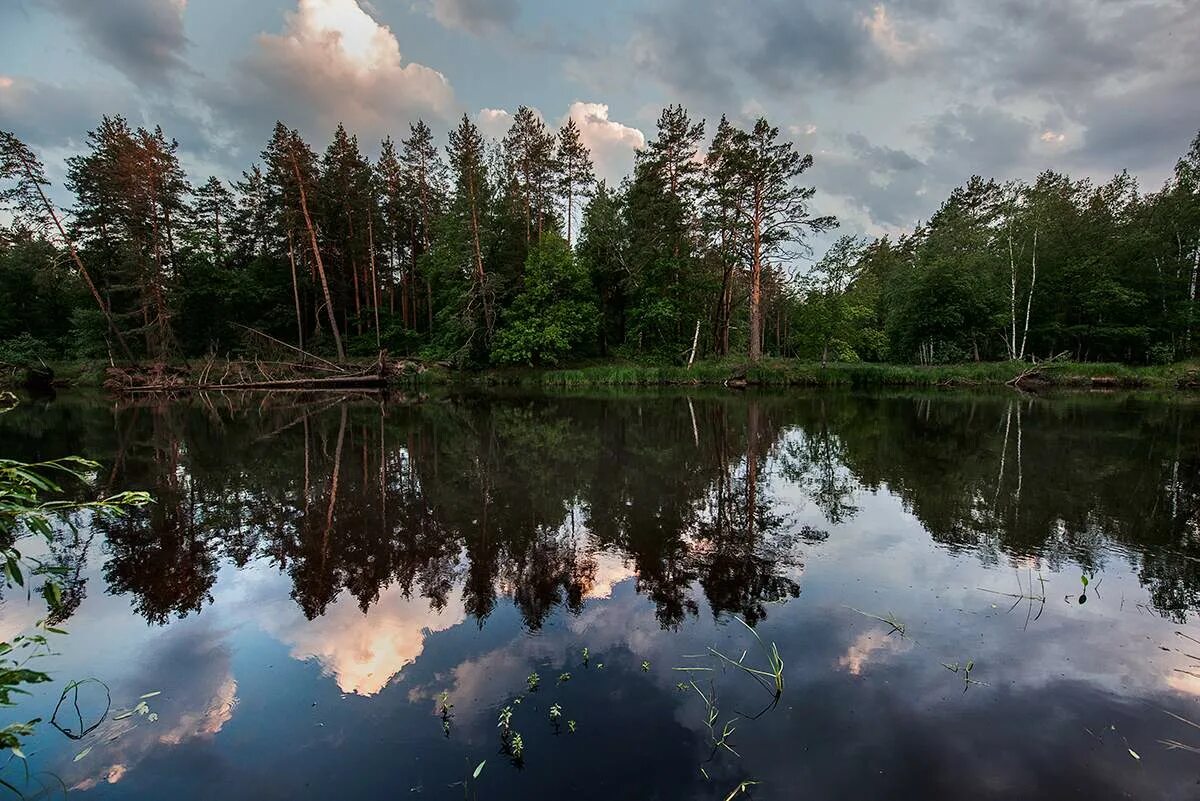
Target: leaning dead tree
(316,251)
(27,200)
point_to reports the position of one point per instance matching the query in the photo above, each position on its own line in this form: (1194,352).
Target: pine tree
(212,211)
(774,207)
(531,169)
(424,189)
(25,199)
(468,214)
(576,174)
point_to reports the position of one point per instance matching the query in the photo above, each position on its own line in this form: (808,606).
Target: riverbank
(787,372)
(736,374)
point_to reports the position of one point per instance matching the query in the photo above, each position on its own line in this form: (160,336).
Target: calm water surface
(316,572)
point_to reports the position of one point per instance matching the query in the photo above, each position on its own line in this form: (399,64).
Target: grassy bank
(770,372)
(786,372)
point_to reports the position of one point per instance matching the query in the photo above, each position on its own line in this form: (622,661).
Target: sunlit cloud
(610,571)
(887,38)
(333,62)
(612,143)
(362,652)
(867,648)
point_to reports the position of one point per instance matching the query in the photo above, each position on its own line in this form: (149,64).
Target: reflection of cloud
(611,569)
(865,647)
(362,652)
(208,722)
(191,666)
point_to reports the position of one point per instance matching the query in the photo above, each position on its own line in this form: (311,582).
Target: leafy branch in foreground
(26,512)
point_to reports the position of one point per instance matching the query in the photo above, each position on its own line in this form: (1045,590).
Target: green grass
(769,372)
(787,372)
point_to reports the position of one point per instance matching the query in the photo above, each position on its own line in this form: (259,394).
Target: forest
(486,253)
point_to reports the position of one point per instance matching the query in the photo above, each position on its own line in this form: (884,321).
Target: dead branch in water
(1035,370)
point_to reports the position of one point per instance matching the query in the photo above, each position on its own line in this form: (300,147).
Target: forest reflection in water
(316,571)
(539,499)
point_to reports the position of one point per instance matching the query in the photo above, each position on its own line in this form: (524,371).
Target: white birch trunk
(1029,298)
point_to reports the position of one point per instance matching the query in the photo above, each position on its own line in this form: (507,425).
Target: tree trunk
(695,341)
(87,279)
(312,235)
(1029,299)
(756,280)
(374,278)
(1012,299)
(296,292)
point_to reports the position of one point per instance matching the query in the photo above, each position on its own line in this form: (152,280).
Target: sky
(898,102)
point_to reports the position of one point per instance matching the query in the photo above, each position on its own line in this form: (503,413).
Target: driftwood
(259,375)
(1035,376)
(338,382)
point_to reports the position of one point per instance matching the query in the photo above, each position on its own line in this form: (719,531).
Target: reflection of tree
(816,462)
(514,497)
(743,550)
(511,498)
(162,554)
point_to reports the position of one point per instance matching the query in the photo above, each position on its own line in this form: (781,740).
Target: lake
(985,596)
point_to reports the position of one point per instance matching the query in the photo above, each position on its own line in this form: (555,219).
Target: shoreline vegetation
(497,257)
(732,373)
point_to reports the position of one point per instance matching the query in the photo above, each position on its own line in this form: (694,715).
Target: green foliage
(24,349)
(554,315)
(458,256)
(26,511)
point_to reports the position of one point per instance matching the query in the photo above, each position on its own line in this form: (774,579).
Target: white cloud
(333,62)
(493,122)
(478,17)
(363,651)
(612,143)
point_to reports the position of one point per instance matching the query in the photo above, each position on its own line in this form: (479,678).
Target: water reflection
(545,501)
(314,573)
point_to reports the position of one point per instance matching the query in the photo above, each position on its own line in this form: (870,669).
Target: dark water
(314,575)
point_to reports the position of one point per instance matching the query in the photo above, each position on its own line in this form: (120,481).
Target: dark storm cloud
(144,39)
(896,188)
(1142,130)
(704,47)
(888,158)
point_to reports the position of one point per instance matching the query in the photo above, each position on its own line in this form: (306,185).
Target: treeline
(1016,270)
(467,253)
(512,252)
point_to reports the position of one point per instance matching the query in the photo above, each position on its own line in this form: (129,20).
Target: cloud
(190,664)
(493,122)
(477,17)
(887,38)
(144,39)
(706,49)
(363,651)
(612,143)
(52,115)
(333,62)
